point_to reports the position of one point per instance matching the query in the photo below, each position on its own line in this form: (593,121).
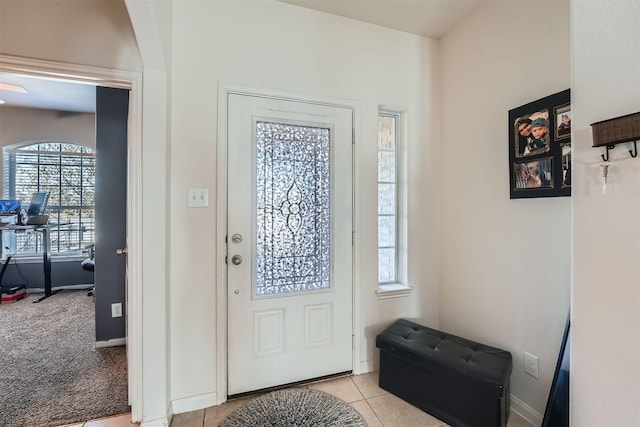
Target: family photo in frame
(540,147)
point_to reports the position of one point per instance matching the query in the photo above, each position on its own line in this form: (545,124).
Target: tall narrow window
(387,198)
(67,172)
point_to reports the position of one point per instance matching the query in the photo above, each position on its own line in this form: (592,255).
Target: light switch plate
(198,198)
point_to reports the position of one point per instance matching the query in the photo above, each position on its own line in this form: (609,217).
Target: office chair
(89,264)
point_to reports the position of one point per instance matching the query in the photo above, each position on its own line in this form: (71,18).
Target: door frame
(224,90)
(132,81)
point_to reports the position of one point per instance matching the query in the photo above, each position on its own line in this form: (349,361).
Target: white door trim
(124,80)
(224,90)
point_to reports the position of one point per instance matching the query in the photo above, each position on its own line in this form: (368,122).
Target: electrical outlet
(116,309)
(531,364)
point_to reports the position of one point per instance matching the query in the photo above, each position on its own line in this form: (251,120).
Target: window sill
(393,290)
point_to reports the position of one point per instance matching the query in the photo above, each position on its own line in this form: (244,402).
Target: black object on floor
(10,293)
(556,413)
(459,381)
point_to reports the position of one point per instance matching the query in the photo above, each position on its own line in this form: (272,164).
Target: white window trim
(393,290)
(21,148)
(399,288)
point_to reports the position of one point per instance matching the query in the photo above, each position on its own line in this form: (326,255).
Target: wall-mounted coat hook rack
(605,158)
(608,133)
(634,152)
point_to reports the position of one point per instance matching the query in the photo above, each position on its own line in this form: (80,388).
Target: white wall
(605,374)
(96,32)
(31,124)
(279,46)
(151,22)
(505,264)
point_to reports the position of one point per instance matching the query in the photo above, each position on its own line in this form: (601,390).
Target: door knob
(122,251)
(236,260)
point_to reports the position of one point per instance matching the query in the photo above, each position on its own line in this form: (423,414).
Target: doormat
(300,407)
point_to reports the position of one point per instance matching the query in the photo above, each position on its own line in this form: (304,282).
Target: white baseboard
(71,287)
(526,411)
(162,422)
(111,343)
(180,406)
(159,422)
(62,288)
(365,367)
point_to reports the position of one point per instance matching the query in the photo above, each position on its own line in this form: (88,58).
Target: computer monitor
(38,203)
(10,207)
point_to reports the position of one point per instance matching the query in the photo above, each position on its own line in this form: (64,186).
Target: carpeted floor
(50,372)
(300,407)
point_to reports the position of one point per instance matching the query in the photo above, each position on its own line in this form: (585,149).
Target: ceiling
(49,94)
(429,18)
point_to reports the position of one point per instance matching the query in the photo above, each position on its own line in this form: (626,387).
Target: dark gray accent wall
(31,274)
(112,107)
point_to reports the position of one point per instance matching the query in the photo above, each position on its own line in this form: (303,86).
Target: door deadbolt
(236,238)
(236,260)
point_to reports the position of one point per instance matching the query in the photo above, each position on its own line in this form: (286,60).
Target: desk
(46,251)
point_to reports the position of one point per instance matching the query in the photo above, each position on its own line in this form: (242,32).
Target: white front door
(289,241)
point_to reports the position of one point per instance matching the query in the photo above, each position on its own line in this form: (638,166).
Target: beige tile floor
(378,407)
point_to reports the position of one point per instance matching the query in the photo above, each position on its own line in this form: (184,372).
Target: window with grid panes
(67,171)
(387,199)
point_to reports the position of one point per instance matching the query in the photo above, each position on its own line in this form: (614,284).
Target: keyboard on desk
(18,227)
(37,219)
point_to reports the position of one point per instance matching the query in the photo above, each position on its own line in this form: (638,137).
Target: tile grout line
(374,412)
(366,401)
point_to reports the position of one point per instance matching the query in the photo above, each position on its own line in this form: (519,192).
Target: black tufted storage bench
(459,381)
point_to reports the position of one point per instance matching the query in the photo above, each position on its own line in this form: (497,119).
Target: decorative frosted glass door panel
(293,209)
(289,219)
